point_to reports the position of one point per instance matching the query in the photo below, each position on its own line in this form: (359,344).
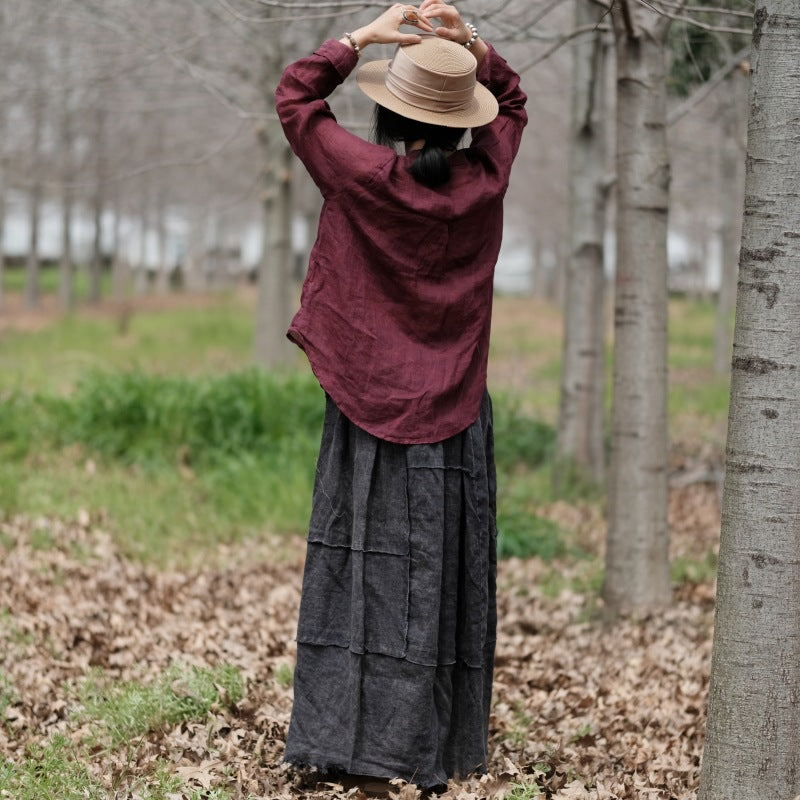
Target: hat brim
(481,110)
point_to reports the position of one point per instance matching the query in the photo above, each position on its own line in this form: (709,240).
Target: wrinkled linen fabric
(396,635)
(396,307)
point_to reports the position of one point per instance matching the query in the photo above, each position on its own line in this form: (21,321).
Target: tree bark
(120,271)
(752,749)
(273,309)
(162,270)
(3,125)
(272,348)
(66,294)
(579,445)
(141,279)
(32,265)
(731,165)
(96,261)
(637,554)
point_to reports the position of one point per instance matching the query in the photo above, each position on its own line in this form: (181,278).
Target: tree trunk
(96,262)
(272,348)
(120,272)
(162,271)
(66,295)
(538,274)
(2,204)
(637,554)
(32,266)
(579,446)
(141,279)
(752,749)
(731,163)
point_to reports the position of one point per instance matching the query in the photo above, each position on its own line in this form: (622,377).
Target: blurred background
(158,433)
(155,228)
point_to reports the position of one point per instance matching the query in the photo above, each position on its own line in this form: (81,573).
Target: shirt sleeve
(332,155)
(500,139)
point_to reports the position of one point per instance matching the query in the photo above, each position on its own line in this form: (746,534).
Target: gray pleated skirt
(396,636)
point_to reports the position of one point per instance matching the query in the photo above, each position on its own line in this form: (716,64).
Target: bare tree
(32,264)
(580,424)
(752,747)
(637,553)
(274,276)
(66,289)
(98,200)
(3,124)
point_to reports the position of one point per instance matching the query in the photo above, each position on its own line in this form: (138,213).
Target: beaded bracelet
(353,42)
(474,35)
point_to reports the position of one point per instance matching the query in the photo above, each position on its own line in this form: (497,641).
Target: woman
(397,621)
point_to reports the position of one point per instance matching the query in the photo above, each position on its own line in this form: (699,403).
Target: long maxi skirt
(396,635)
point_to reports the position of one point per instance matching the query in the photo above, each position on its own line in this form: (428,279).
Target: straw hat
(432,81)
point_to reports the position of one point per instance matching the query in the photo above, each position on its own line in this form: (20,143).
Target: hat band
(403,81)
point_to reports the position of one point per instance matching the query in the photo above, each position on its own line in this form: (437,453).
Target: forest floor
(582,708)
(123,679)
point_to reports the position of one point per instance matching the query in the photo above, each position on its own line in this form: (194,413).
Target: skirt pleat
(396,634)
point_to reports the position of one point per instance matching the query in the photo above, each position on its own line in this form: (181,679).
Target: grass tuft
(524,791)
(52,771)
(284,675)
(131,709)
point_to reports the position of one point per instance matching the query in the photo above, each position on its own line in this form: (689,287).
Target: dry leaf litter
(582,708)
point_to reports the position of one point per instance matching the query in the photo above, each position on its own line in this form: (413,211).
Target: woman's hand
(452,26)
(386,28)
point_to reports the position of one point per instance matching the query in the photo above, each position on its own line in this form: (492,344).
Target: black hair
(431,167)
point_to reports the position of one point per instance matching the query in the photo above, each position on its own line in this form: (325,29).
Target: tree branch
(562,40)
(151,167)
(707,9)
(729,66)
(689,21)
(627,19)
(315,5)
(352,7)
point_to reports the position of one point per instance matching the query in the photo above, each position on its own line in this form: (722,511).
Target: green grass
(7,696)
(686,569)
(59,770)
(177,464)
(116,714)
(182,341)
(524,791)
(14,280)
(169,431)
(284,675)
(126,710)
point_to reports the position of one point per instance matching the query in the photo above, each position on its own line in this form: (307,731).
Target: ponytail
(431,167)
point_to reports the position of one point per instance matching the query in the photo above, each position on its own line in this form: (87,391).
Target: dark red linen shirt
(396,306)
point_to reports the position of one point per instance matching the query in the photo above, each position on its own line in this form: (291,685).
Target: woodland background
(158,433)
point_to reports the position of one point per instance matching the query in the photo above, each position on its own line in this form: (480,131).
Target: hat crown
(431,81)
(440,56)
(434,74)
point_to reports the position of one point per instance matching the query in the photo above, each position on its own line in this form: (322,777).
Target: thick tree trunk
(637,556)
(579,444)
(752,747)
(272,348)
(731,165)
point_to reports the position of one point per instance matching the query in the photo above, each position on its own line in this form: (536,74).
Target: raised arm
(501,137)
(330,153)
